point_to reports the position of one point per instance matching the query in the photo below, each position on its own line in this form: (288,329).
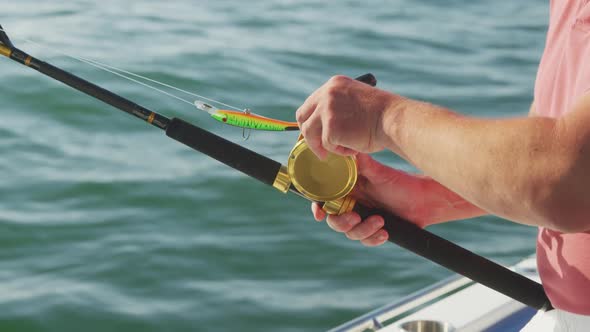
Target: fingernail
(349,222)
(378,222)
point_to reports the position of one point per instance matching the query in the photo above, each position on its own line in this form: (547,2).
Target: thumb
(376,172)
(369,167)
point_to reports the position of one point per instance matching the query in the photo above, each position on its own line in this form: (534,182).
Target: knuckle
(330,125)
(383,237)
(335,85)
(338,79)
(337,224)
(355,234)
(376,222)
(332,92)
(313,143)
(376,239)
(345,228)
(327,139)
(333,128)
(299,115)
(305,129)
(346,225)
(309,100)
(333,114)
(329,114)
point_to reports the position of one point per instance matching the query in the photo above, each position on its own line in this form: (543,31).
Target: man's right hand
(412,197)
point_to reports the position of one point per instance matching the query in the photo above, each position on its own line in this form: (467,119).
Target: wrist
(391,122)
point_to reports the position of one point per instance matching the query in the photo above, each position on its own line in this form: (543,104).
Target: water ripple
(109,225)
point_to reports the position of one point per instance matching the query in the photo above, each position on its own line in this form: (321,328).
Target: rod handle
(368,78)
(233,155)
(460,260)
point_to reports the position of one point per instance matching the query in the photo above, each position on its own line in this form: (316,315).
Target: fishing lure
(245,119)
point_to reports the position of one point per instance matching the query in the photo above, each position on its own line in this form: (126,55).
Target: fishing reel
(328,182)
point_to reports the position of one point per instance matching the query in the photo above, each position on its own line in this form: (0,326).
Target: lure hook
(245,130)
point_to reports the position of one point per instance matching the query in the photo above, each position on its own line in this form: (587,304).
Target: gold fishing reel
(328,181)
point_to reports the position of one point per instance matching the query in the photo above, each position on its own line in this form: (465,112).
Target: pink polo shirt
(563,77)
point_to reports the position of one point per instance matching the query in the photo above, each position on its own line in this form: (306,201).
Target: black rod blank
(90,89)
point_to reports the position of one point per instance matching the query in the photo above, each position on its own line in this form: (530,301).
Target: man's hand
(415,198)
(344,116)
(531,170)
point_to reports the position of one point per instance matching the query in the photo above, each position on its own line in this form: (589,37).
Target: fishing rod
(327,182)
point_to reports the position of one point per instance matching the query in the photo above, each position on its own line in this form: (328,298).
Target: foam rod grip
(235,156)
(460,260)
(368,78)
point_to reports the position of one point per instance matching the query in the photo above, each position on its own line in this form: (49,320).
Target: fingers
(366,229)
(307,109)
(311,124)
(370,231)
(310,104)
(344,151)
(326,143)
(376,172)
(317,211)
(303,113)
(376,239)
(312,131)
(367,166)
(319,140)
(345,222)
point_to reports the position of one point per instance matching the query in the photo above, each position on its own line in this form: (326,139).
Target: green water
(108,225)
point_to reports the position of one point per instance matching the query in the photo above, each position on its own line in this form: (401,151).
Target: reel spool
(328,181)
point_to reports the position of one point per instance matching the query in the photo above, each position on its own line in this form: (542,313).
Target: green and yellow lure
(246,119)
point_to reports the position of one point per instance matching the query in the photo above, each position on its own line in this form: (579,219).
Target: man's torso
(563,77)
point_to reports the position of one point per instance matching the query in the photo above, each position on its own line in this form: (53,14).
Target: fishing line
(123,74)
(165,85)
(96,65)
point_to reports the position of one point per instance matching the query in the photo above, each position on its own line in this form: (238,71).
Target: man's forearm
(509,167)
(438,204)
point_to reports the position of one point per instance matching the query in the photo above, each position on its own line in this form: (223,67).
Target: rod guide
(4,40)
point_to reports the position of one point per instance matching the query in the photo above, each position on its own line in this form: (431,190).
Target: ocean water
(108,225)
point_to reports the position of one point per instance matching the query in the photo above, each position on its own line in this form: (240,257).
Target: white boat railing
(432,305)
(375,320)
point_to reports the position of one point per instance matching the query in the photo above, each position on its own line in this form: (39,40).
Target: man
(533,170)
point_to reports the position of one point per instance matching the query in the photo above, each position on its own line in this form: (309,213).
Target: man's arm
(419,199)
(532,170)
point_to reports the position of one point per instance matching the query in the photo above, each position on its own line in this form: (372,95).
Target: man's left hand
(344,116)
